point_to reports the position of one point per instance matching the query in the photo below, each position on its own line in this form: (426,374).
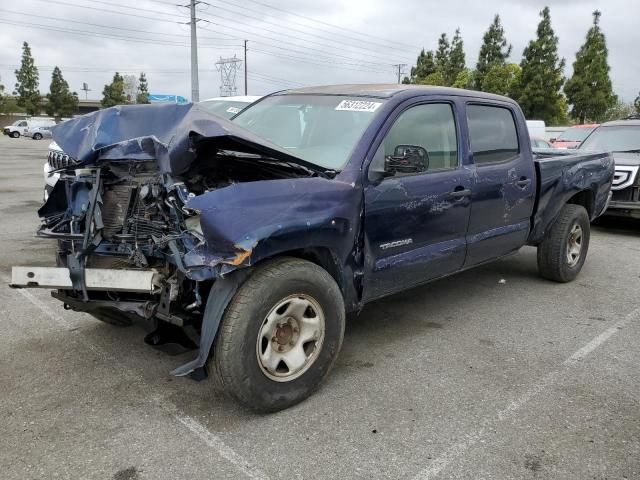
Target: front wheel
(279,336)
(14,134)
(564,248)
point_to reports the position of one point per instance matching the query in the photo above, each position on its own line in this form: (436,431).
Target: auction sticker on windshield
(358,105)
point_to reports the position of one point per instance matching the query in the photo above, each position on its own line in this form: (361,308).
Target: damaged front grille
(58,160)
(131,212)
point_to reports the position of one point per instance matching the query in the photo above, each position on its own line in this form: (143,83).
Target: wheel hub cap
(574,245)
(290,337)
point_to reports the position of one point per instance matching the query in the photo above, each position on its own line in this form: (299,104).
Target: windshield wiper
(321,171)
(633,150)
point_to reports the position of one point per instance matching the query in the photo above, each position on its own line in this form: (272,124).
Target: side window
(493,134)
(429,127)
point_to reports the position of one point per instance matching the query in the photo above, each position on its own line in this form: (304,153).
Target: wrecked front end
(152,224)
(125,240)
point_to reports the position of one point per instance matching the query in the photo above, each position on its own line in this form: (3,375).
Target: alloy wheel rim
(290,337)
(574,245)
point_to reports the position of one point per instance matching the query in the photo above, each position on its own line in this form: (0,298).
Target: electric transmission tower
(228,68)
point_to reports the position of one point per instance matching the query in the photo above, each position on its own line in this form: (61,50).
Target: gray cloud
(84,58)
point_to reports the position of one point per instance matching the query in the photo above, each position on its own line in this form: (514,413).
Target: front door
(416,217)
(503,189)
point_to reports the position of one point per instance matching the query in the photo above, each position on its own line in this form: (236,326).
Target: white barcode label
(233,110)
(358,105)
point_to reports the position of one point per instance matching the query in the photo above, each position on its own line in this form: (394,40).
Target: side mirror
(406,159)
(551,140)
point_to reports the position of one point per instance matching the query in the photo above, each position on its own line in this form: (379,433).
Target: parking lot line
(191,424)
(456,451)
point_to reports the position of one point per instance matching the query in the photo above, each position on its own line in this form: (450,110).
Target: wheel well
(322,257)
(585,199)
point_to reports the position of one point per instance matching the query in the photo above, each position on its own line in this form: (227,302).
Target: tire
(244,341)
(14,134)
(37,136)
(561,255)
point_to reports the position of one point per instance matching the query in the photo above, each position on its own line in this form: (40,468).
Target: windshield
(321,129)
(223,108)
(616,138)
(574,134)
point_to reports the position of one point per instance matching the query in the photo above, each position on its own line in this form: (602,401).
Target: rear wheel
(564,248)
(279,336)
(37,136)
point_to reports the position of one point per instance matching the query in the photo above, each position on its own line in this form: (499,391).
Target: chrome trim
(59,160)
(624,176)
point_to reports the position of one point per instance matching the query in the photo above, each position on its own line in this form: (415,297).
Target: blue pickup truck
(250,240)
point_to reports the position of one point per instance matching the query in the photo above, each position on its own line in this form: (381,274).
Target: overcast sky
(288,50)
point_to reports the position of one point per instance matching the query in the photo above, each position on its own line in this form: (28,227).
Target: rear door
(503,187)
(415,223)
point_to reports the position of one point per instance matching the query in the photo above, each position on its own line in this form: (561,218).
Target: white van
(20,127)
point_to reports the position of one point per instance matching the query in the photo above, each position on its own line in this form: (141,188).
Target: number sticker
(233,110)
(358,105)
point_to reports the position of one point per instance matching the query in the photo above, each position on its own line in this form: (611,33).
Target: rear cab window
(493,135)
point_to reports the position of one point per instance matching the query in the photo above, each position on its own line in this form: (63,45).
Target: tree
(464,79)
(27,83)
(61,102)
(442,54)
(502,79)
(541,78)
(618,110)
(143,89)
(636,104)
(113,93)
(443,66)
(425,66)
(457,60)
(494,50)
(434,78)
(589,89)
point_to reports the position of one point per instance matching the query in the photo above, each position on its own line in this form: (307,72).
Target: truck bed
(562,178)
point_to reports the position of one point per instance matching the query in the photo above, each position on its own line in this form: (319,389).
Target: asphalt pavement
(491,374)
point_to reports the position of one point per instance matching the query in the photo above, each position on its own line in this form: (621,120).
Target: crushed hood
(168,133)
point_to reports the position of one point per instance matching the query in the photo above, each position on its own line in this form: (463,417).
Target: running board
(140,281)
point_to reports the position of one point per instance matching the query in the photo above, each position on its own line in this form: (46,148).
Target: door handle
(460,192)
(523,182)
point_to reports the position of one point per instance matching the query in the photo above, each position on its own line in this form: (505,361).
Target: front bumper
(106,279)
(623,209)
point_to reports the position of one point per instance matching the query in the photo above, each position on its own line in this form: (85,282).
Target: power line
(294,37)
(373,53)
(110,27)
(317,62)
(54,28)
(338,27)
(368,65)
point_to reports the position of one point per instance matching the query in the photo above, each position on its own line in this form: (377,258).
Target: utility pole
(246,89)
(195,87)
(400,70)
